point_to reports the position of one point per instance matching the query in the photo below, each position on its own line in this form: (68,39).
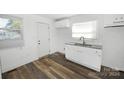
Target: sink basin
(83,44)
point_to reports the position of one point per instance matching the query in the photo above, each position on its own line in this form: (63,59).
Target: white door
(43,39)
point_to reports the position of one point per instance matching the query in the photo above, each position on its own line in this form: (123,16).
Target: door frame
(48,34)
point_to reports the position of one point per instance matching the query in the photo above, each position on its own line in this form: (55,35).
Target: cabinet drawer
(83,49)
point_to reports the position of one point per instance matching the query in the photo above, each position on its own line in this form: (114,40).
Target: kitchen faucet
(82,37)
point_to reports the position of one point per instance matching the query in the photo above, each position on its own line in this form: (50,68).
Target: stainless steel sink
(83,44)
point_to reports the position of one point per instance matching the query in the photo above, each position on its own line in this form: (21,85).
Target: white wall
(64,35)
(15,57)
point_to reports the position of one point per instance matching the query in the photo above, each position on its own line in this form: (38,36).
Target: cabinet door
(0,73)
(70,52)
(0,70)
(94,60)
(80,55)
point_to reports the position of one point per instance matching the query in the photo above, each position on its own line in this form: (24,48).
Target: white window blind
(85,29)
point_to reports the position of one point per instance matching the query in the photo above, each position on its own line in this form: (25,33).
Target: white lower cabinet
(88,57)
(0,70)
(0,73)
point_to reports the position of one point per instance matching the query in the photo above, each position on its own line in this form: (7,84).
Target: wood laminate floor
(56,66)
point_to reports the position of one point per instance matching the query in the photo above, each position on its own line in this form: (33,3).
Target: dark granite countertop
(86,45)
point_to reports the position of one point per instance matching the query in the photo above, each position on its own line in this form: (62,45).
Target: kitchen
(92,42)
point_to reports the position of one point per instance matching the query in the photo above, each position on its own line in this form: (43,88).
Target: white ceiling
(56,16)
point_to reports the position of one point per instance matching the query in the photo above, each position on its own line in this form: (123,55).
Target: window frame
(21,29)
(96,32)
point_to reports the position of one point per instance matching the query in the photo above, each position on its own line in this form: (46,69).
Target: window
(10,27)
(85,29)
